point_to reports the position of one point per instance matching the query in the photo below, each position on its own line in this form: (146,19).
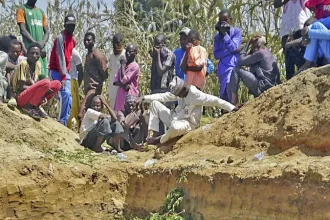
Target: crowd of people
(28,80)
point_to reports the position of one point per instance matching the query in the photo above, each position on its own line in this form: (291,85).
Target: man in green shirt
(34,28)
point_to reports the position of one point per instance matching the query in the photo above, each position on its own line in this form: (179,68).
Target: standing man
(226,43)
(162,68)
(115,57)
(127,78)
(95,72)
(293,18)
(76,72)
(59,65)
(33,26)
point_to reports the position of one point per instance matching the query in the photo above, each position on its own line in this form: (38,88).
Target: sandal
(42,112)
(33,113)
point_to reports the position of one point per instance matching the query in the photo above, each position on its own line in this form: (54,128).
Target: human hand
(44,101)
(41,43)
(304,32)
(138,102)
(93,83)
(240,48)
(102,116)
(63,83)
(102,99)
(189,45)
(30,82)
(157,50)
(123,61)
(127,87)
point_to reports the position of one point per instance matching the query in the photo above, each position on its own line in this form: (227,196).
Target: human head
(224,16)
(258,41)
(97,104)
(5,43)
(177,87)
(117,43)
(70,23)
(31,3)
(184,37)
(15,49)
(33,53)
(194,37)
(309,21)
(89,40)
(130,103)
(131,51)
(159,41)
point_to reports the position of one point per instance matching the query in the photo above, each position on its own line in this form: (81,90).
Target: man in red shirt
(59,65)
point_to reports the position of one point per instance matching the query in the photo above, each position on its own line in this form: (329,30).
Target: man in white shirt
(186,116)
(97,127)
(293,18)
(114,65)
(77,74)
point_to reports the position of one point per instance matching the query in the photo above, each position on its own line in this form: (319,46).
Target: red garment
(54,63)
(34,94)
(321,8)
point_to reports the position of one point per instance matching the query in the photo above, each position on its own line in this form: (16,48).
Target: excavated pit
(45,174)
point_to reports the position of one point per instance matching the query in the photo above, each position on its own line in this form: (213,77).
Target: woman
(263,70)
(30,91)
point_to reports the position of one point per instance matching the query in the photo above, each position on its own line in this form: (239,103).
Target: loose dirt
(46,174)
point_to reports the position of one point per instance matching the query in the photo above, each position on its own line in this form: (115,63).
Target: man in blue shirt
(318,35)
(179,53)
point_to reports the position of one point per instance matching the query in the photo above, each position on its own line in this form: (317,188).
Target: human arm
(231,44)
(294,43)
(110,110)
(183,64)
(248,60)
(209,67)
(10,67)
(117,81)
(102,66)
(46,31)
(161,69)
(80,73)
(212,101)
(280,3)
(161,97)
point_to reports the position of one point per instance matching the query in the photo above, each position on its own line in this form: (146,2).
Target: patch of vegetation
(183,176)
(172,208)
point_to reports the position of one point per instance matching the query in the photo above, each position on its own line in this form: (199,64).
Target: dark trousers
(294,57)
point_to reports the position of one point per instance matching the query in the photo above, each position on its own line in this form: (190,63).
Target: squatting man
(185,117)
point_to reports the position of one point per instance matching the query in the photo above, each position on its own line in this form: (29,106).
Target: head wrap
(176,85)
(130,98)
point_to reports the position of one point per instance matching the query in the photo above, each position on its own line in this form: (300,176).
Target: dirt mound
(296,113)
(45,174)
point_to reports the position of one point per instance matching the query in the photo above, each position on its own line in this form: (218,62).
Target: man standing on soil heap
(293,18)
(127,78)
(77,73)
(186,116)
(95,72)
(115,57)
(33,26)
(59,65)
(226,43)
(162,68)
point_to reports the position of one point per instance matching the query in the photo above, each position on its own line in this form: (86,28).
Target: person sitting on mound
(186,116)
(97,127)
(30,91)
(263,70)
(134,123)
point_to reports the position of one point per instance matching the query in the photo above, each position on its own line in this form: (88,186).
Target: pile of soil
(46,174)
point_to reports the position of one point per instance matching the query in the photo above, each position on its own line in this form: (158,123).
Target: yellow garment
(22,73)
(75,103)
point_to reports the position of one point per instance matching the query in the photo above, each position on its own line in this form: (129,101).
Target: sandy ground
(46,174)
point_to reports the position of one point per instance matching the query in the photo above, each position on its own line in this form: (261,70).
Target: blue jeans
(64,96)
(319,42)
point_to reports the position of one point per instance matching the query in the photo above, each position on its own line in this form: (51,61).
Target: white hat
(176,85)
(185,31)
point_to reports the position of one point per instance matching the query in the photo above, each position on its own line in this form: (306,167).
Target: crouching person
(186,116)
(134,123)
(31,92)
(263,71)
(97,127)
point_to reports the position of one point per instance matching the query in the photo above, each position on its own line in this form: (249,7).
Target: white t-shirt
(294,16)
(89,122)
(75,60)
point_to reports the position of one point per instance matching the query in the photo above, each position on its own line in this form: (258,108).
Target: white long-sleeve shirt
(191,106)
(89,122)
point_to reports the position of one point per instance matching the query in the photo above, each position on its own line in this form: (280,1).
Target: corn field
(141,20)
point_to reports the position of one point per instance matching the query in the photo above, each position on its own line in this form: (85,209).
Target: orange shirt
(20,17)
(197,56)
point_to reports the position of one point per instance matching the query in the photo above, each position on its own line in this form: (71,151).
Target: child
(194,61)
(97,127)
